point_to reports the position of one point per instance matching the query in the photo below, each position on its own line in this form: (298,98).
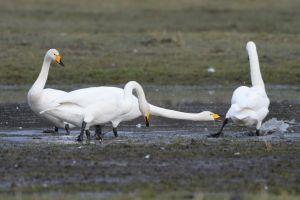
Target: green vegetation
(161,42)
(146,195)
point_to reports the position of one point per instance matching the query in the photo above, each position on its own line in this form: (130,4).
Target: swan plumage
(103,109)
(249,105)
(39,98)
(70,107)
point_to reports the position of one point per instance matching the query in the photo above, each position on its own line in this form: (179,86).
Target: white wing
(88,96)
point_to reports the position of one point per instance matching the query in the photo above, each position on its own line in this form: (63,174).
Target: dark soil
(170,155)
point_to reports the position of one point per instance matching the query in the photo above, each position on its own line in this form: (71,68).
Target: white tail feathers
(256,77)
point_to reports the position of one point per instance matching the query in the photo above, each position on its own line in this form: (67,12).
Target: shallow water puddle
(149,137)
(35,136)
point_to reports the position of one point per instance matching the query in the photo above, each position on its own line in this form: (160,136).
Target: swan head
(147,118)
(54,55)
(250,46)
(145,109)
(208,116)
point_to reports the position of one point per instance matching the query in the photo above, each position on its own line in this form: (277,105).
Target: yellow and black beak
(58,60)
(147,118)
(215,116)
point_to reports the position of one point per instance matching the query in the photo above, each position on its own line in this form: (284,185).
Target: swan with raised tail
(249,105)
(70,108)
(39,98)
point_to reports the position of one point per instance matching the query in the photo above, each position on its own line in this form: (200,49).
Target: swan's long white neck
(40,82)
(256,77)
(162,112)
(128,100)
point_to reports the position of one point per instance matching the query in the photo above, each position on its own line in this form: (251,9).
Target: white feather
(249,105)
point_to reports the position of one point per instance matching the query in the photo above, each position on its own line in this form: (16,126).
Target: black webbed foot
(220,133)
(55,131)
(257,132)
(79,138)
(115,132)
(88,134)
(67,128)
(98,137)
(98,133)
(49,131)
(216,135)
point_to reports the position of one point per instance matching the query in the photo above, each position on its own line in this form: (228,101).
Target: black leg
(221,130)
(80,136)
(257,132)
(98,132)
(88,134)
(67,128)
(115,132)
(55,129)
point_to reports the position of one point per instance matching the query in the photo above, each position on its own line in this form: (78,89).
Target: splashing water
(274,125)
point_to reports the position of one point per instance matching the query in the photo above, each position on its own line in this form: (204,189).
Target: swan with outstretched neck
(71,107)
(249,105)
(39,98)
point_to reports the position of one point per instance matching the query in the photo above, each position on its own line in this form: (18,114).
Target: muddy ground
(170,159)
(155,42)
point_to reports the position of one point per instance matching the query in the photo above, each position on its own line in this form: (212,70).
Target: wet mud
(170,155)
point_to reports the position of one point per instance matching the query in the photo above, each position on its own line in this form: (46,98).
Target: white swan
(39,98)
(249,106)
(101,110)
(70,108)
